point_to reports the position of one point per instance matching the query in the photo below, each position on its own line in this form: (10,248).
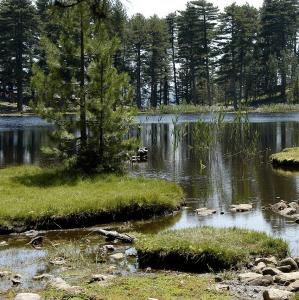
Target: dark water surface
(216,177)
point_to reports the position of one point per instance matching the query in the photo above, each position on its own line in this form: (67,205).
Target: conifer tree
(92,88)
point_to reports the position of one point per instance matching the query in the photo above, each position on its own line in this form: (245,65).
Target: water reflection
(229,175)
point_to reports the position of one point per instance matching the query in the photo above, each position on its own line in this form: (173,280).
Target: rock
(117,256)
(289,262)
(267,260)
(3,244)
(294,286)
(100,278)
(289,211)
(109,248)
(285,269)
(218,278)
(279,206)
(294,205)
(16,281)
(247,277)
(152,299)
(4,274)
(259,268)
(287,278)
(43,277)
(241,208)
(222,287)
(266,280)
(58,261)
(111,269)
(275,294)
(131,252)
(31,233)
(36,241)
(271,271)
(204,212)
(27,296)
(59,284)
(296,259)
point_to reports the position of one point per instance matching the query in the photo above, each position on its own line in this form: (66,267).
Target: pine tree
(92,88)
(157,59)
(18,30)
(238,31)
(172,29)
(137,40)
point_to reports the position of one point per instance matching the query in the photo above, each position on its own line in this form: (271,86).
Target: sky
(164,7)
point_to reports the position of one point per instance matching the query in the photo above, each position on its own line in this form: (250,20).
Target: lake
(232,168)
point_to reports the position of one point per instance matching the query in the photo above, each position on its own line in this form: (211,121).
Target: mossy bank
(36,198)
(288,158)
(204,249)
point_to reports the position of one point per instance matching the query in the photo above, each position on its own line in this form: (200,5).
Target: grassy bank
(32,197)
(288,158)
(193,109)
(205,248)
(157,286)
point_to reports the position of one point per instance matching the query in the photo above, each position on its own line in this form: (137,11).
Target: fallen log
(114,235)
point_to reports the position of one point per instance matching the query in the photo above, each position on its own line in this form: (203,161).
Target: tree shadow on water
(49,178)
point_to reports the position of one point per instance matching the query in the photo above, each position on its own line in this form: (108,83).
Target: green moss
(205,248)
(287,158)
(159,286)
(31,195)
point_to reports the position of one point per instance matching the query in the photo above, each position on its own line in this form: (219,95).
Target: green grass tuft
(204,248)
(31,195)
(287,158)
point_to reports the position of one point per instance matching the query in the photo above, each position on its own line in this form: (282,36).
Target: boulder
(296,259)
(271,271)
(266,280)
(59,284)
(285,269)
(267,260)
(27,296)
(289,211)
(275,294)
(289,262)
(279,206)
(294,286)
(287,278)
(259,268)
(250,276)
(241,208)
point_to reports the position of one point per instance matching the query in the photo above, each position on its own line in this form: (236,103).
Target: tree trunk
(138,75)
(19,61)
(83,126)
(177,100)
(207,64)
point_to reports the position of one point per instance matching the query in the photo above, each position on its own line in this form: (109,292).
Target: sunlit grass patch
(287,158)
(33,196)
(158,286)
(205,248)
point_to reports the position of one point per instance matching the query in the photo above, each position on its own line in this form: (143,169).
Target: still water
(215,175)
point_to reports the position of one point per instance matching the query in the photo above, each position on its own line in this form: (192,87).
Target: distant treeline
(196,56)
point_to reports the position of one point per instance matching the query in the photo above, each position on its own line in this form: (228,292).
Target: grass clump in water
(204,249)
(33,197)
(288,158)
